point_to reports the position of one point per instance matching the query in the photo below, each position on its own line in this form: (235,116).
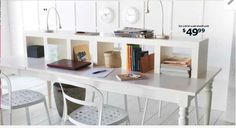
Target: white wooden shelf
(99,44)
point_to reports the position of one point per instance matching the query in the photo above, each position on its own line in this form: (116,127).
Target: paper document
(95,72)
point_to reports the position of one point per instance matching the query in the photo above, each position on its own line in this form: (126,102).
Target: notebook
(69,64)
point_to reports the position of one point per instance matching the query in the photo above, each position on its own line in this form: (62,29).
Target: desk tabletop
(189,86)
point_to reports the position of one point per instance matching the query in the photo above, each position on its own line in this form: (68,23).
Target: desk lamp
(48,30)
(162,36)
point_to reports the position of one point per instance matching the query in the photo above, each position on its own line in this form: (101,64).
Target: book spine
(133,60)
(138,55)
(127,56)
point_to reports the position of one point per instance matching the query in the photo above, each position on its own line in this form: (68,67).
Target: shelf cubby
(101,48)
(34,40)
(61,47)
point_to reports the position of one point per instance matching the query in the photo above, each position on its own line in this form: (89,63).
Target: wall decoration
(131,15)
(106,15)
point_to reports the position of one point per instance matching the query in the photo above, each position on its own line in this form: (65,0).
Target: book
(176,66)
(138,56)
(178,60)
(135,58)
(81,53)
(130,57)
(174,73)
(134,32)
(130,76)
(132,54)
(176,69)
(127,57)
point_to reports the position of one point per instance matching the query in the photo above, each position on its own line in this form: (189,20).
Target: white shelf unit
(99,44)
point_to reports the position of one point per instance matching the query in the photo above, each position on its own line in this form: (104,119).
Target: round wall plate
(106,15)
(131,15)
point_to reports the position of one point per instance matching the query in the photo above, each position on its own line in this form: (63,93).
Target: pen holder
(112,59)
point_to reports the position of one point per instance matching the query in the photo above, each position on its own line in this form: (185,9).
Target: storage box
(112,59)
(35,51)
(147,63)
(52,52)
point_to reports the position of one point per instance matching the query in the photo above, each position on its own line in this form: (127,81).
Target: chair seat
(89,115)
(22,98)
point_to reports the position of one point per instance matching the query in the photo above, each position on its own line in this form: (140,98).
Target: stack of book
(176,65)
(134,54)
(130,76)
(134,32)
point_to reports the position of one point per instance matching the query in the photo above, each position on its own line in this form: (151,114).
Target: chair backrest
(98,103)
(5,87)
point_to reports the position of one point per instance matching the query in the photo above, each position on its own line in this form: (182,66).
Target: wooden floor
(169,113)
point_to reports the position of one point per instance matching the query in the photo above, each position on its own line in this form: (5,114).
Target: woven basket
(112,59)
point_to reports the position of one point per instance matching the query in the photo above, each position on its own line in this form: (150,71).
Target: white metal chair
(19,99)
(160,107)
(125,102)
(92,112)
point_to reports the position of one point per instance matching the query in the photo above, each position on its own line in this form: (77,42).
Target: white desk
(177,90)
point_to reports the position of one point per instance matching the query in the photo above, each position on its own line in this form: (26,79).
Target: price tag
(193,30)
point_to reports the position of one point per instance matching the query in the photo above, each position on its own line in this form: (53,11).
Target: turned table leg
(183,116)
(207,107)
(184,103)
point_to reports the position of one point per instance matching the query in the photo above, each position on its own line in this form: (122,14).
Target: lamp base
(166,37)
(49,31)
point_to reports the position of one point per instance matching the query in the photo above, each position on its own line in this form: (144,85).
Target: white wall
(220,34)
(16,27)
(83,15)
(230,111)
(5,46)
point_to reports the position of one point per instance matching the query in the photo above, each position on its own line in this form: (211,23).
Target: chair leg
(128,121)
(93,96)
(160,107)
(45,105)
(196,110)
(64,116)
(10,116)
(1,116)
(63,121)
(126,104)
(27,115)
(139,104)
(106,97)
(144,111)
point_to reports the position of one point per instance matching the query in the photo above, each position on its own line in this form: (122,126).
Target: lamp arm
(57,16)
(231,1)
(162,19)
(147,9)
